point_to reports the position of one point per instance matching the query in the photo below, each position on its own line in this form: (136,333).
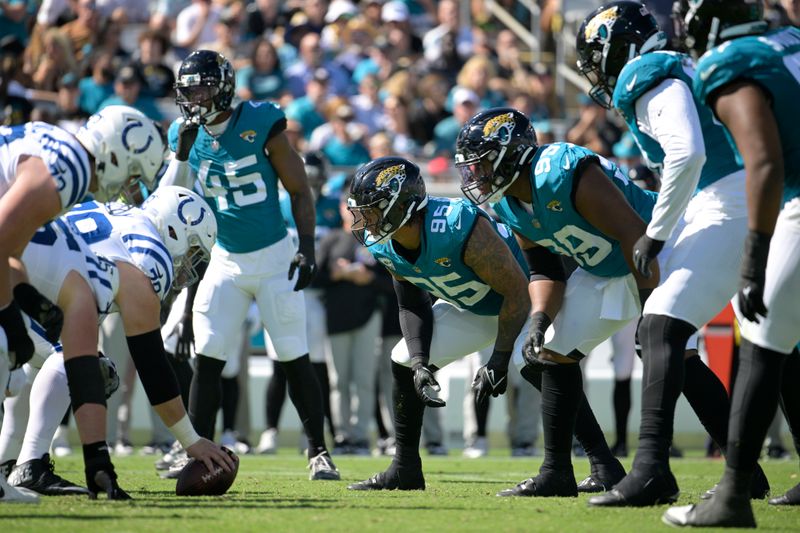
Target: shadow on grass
(78,517)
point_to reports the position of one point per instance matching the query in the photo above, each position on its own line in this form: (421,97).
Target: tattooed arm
(494,263)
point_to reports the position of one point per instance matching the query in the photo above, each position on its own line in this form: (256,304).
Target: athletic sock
(49,398)
(230,402)
(562,385)
(321,370)
(708,398)
(481,415)
(622,408)
(304,391)
(753,406)
(663,347)
(408,411)
(276,395)
(204,395)
(586,428)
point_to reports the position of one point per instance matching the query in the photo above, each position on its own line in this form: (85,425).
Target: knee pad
(85,381)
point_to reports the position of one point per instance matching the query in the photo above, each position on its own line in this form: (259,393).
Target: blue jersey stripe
(39,330)
(159,258)
(80,179)
(139,237)
(102,279)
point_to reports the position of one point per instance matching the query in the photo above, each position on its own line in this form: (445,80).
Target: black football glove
(187,133)
(42,310)
(101,478)
(492,377)
(754,268)
(184,330)
(423,380)
(20,346)
(645,250)
(535,341)
(304,263)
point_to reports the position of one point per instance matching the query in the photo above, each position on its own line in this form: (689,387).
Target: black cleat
(640,490)
(392,479)
(792,497)
(548,483)
(728,508)
(759,487)
(39,476)
(602,478)
(7,467)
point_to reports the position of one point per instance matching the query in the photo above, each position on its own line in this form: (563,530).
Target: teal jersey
(646,72)
(772,61)
(555,223)
(238,179)
(440,268)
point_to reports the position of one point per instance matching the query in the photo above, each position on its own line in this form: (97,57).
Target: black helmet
(491,150)
(700,26)
(205,85)
(609,37)
(317,170)
(383,196)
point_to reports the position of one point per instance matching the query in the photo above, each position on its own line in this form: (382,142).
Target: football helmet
(384,194)
(126,146)
(492,148)
(703,24)
(187,227)
(205,86)
(609,37)
(317,171)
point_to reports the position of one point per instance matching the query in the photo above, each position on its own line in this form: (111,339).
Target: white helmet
(187,226)
(125,144)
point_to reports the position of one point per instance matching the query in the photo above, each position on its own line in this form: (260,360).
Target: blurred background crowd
(357,79)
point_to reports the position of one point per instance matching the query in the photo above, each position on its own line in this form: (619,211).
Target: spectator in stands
(310,60)
(158,78)
(465,104)
(340,12)
(263,78)
(427,109)
(96,88)
(227,37)
(357,39)
(53,13)
(164,14)
(529,106)
(377,62)
(70,117)
(128,91)
(84,31)
(511,73)
(398,128)
(367,105)
(263,16)
(309,19)
(593,129)
(371,12)
(450,43)
(544,132)
(308,109)
(626,153)
(56,61)
(542,86)
(345,147)
(15,107)
(194,26)
(475,75)
(405,45)
(15,17)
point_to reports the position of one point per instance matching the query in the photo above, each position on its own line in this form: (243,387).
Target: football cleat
(435,448)
(478,449)
(759,486)
(524,450)
(7,467)
(548,483)
(175,469)
(174,453)
(792,497)
(392,479)
(10,494)
(39,476)
(603,477)
(322,468)
(711,513)
(640,490)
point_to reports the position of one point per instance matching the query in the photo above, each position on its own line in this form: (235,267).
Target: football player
(750,79)
(43,172)
(239,154)
(456,252)
(560,199)
(700,213)
(131,258)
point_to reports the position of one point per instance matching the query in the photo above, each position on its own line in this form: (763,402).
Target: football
(196,480)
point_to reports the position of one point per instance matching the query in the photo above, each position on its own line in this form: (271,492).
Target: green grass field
(273,494)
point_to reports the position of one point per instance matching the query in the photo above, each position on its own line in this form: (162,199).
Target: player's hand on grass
(210,454)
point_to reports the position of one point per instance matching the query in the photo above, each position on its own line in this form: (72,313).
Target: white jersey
(123,233)
(55,251)
(66,159)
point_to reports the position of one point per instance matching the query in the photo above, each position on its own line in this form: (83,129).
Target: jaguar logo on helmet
(599,27)
(386,176)
(500,128)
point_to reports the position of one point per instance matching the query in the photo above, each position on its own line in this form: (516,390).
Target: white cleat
(478,449)
(268,443)
(9,494)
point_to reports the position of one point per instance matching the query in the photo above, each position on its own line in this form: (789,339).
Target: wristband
(183,430)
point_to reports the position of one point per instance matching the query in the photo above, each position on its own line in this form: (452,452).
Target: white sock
(14,424)
(48,402)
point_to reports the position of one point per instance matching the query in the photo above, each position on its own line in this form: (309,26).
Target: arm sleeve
(544,264)
(682,142)
(178,173)
(416,318)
